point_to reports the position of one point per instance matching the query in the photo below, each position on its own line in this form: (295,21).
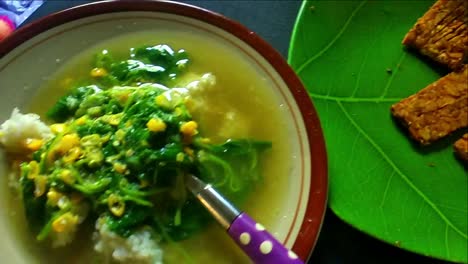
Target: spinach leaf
(35,207)
(134,216)
(67,105)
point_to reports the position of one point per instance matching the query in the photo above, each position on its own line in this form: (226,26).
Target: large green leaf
(349,56)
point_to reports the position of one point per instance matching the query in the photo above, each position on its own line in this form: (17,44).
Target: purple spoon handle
(259,244)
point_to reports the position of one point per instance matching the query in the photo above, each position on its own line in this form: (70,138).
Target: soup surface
(240,105)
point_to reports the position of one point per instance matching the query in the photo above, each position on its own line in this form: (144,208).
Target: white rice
(138,248)
(20,127)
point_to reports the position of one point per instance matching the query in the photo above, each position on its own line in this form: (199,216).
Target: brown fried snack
(442,33)
(461,148)
(437,110)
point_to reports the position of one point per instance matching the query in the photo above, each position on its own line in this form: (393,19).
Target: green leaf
(349,56)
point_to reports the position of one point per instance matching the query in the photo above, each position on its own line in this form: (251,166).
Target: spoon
(250,236)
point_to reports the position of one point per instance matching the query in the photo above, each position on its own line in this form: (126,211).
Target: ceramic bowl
(37,50)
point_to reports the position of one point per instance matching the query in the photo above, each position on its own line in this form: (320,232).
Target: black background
(274,20)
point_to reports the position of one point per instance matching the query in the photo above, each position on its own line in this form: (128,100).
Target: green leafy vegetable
(122,148)
(148,64)
(350,57)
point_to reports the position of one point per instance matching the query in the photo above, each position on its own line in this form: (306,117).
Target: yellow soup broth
(240,105)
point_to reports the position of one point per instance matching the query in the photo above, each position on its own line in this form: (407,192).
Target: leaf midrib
(332,42)
(399,172)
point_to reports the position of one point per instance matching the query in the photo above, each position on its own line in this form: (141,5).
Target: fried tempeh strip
(461,148)
(442,33)
(437,110)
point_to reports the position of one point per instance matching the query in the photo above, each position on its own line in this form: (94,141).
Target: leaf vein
(399,172)
(355,99)
(390,80)
(342,30)
(384,196)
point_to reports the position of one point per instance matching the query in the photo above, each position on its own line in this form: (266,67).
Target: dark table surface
(274,20)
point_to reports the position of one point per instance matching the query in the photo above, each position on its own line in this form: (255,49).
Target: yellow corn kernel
(156,125)
(122,97)
(180,157)
(120,168)
(82,120)
(33,144)
(189,151)
(162,101)
(129,153)
(68,142)
(40,184)
(53,197)
(65,223)
(115,119)
(119,135)
(33,170)
(67,177)
(116,205)
(98,72)
(57,128)
(72,155)
(189,128)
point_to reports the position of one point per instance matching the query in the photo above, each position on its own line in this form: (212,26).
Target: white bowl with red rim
(31,53)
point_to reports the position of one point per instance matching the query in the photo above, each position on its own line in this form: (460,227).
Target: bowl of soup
(104,107)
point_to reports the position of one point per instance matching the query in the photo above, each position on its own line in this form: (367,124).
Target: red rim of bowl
(317,200)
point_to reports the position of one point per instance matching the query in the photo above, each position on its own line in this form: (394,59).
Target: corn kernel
(156,125)
(53,197)
(57,128)
(116,205)
(120,168)
(129,153)
(189,128)
(67,177)
(180,157)
(123,97)
(98,72)
(33,170)
(162,101)
(105,138)
(82,120)
(65,222)
(40,184)
(33,144)
(72,155)
(68,142)
(115,119)
(119,135)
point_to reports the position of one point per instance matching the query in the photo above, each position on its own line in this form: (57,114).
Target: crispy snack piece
(442,33)
(437,110)
(461,148)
